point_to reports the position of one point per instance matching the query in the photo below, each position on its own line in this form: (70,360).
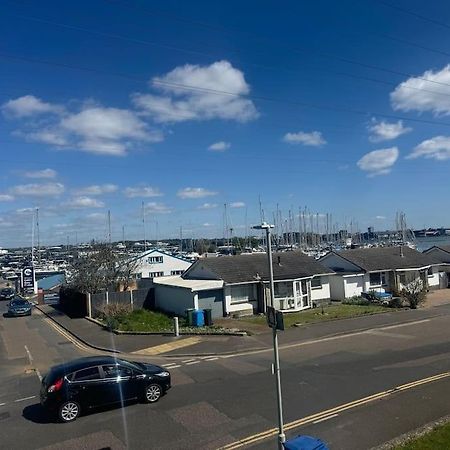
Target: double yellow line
(323,415)
(65,334)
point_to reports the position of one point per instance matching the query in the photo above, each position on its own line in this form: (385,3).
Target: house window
(176,272)
(155,274)
(377,279)
(155,259)
(316,283)
(242,294)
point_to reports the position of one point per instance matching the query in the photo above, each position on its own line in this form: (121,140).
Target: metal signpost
(275,321)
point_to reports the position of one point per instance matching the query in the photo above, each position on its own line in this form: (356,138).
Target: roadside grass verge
(143,320)
(436,439)
(315,315)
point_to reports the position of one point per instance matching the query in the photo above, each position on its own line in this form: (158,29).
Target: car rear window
(91,373)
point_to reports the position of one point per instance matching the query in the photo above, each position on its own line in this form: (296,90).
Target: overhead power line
(210,55)
(414,14)
(301,50)
(226,93)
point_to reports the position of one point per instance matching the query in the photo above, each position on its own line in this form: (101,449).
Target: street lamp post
(281,436)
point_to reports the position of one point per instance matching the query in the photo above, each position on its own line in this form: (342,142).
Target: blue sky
(339,107)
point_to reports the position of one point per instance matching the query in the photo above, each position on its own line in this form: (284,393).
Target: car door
(84,386)
(118,383)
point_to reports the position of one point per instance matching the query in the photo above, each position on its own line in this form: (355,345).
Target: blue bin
(198,318)
(305,443)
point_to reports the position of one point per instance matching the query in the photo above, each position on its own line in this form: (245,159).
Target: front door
(302,297)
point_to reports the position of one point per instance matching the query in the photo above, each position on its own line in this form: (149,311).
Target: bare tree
(102,268)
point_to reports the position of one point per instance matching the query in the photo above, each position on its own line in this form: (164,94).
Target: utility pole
(281,436)
(38,237)
(109,227)
(143,226)
(181,240)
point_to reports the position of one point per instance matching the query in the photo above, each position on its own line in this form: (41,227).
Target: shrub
(396,302)
(356,300)
(414,293)
(113,312)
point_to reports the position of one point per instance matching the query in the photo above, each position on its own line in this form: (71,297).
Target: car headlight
(162,374)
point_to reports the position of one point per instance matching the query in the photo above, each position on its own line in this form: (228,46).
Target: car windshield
(20,303)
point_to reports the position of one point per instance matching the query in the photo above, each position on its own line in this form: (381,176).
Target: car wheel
(153,393)
(69,411)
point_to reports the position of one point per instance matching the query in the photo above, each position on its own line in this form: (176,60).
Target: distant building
(157,263)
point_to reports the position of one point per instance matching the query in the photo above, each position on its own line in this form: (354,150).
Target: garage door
(212,300)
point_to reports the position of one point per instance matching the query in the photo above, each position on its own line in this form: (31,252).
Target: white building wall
(354,285)
(174,299)
(434,280)
(323,293)
(167,266)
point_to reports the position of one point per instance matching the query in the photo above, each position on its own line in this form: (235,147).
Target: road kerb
(249,440)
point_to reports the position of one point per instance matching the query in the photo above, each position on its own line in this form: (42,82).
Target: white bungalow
(383,269)
(300,283)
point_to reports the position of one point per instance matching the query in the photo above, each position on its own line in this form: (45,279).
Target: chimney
(279,260)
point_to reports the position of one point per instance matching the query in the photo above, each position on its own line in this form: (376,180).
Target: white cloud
(96,189)
(142,191)
(379,162)
(237,205)
(28,106)
(52,137)
(313,139)
(96,217)
(220,146)
(25,211)
(6,198)
(424,96)
(385,131)
(191,192)
(437,148)
(157,208)
(380,217)
(108,131)
(44,173)
(38,190)
(208,206)
(193,92)
(206,225)
(84,202)
(94,129)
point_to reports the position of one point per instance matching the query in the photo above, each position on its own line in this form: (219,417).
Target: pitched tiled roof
(439,257)
(379,258)
(247,268)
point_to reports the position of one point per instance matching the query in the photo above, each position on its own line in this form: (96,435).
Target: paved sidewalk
(97,337)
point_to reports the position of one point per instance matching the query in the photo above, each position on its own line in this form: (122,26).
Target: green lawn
(437,439)
(144,320)
(315,315)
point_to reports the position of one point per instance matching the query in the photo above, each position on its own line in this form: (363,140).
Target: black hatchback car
(81,384)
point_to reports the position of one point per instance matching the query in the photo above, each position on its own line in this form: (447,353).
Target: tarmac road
(217,401)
